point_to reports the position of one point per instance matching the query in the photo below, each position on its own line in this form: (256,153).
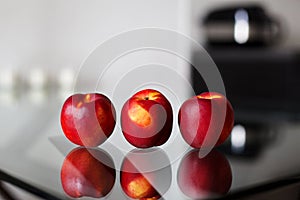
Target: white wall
(54,34)
(61,33)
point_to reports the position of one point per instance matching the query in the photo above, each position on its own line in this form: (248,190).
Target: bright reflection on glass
(37,83)
(37,79)
(238,138)
(241,26)
(7,79)
(8,82)
(65,80)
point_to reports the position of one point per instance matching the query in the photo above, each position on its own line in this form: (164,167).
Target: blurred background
(254,44)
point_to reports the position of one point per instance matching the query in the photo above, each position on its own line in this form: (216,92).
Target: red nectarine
(206,177)
(88,119)
(206,120)
(145,174)
(87,172)
(147,119)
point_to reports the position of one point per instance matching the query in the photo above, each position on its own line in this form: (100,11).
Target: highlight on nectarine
(147,119)
(88,119)
(206,120)
(145,174)
(87,172)
(206,177)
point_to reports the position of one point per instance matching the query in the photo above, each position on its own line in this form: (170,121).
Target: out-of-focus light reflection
(238,138)
(65,81)
(66,78)
(37,82)
(37,79)
(8,84)
(241,26)
(7,79)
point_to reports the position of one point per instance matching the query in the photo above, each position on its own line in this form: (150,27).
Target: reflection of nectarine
(87,172)
(147,119)
(88,120)
(145,174)
(204,177)
(206,120)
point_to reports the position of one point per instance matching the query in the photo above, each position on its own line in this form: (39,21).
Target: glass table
(262,157)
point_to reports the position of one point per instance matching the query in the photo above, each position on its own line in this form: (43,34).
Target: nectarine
(147,119)
(206,177)
(145,174)
(87,172)
(88,119)
(206,120)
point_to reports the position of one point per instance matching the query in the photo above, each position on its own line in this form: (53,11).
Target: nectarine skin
(88,119)
(206,177)
(87,172)
(147,119)
(143,171)
(198,124)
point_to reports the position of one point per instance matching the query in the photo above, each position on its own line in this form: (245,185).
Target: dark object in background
(248,141)
(241,25)
(262,85)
